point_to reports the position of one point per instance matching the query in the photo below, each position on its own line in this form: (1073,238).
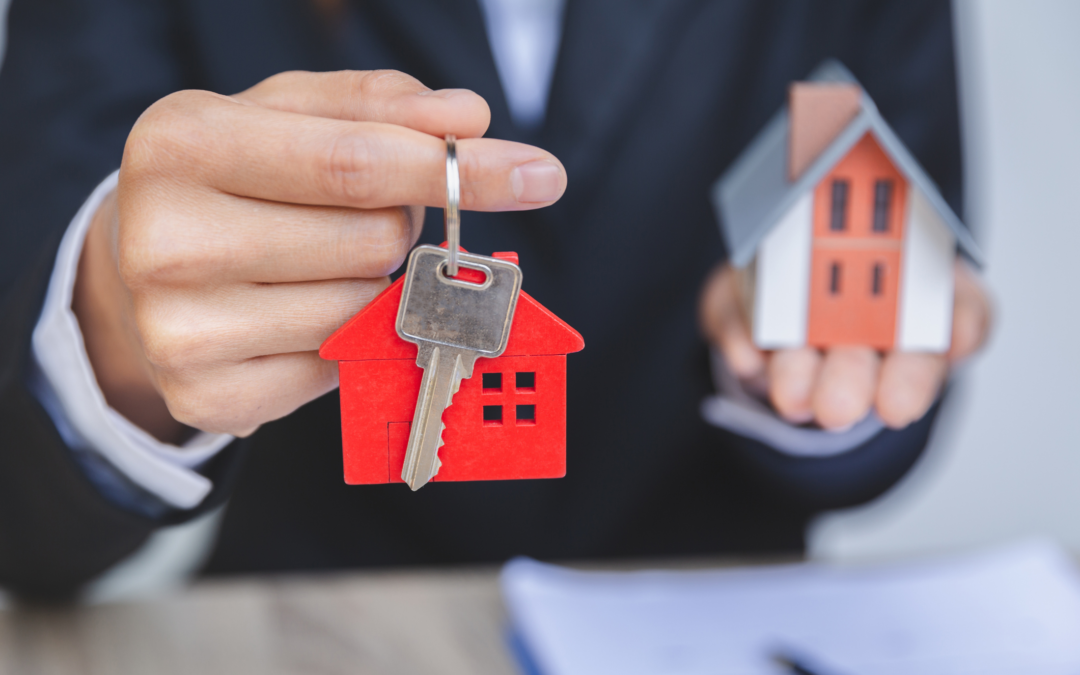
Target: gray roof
(755,192)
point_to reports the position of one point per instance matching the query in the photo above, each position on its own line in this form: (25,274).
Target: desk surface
(443,621)
(392,622)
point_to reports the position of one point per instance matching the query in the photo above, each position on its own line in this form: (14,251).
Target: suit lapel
(611,54)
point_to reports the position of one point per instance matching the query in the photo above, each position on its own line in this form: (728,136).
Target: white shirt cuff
(737,411)
(70,392)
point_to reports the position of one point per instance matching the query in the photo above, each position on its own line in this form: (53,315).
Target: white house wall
(924,323)
(782,286)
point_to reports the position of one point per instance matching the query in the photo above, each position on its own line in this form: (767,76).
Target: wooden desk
(392,622)
(416,622)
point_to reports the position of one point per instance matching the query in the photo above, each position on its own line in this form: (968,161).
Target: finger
(724,324)
(385,96)
(268,154)
(237,400)
(230,239)
(908,386)
(846,386)
(792,375)
(230,324)
(972,314)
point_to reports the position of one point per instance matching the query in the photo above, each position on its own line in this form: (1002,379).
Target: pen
(796,666)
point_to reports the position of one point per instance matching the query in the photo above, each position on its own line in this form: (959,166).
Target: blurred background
(1005,460)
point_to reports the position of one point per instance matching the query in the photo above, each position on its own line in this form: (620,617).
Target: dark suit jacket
(651,100)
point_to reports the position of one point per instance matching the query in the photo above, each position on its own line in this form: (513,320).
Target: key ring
(452,215)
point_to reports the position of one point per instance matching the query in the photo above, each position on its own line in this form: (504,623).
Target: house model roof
(758,189)
(371,334)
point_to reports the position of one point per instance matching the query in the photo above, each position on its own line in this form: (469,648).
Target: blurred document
(1010,610)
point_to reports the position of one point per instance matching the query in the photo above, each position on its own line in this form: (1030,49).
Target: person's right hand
(246,229)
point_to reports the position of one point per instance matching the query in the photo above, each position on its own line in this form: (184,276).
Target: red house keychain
(507,421)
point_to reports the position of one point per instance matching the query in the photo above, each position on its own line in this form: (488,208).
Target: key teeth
(442,428)
(438,462)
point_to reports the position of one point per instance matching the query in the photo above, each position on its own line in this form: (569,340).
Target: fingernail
(443,93)
(535,182)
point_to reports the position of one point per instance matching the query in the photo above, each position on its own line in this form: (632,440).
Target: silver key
(452,322)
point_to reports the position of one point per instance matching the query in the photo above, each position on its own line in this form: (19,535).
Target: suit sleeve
(76,75)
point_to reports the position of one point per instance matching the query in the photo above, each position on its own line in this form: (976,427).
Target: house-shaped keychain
(508,421)
(844,237)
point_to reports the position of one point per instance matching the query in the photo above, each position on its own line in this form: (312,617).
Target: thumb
(723,321)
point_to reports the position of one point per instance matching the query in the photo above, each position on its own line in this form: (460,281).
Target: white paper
(1009,611)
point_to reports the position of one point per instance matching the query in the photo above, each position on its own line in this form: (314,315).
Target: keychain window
(525,381)
(493,415)
(526,414)
(492,383)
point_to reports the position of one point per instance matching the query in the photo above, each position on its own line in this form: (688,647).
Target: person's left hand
(838,387)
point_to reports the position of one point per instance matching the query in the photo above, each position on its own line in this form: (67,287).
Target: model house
(843,236)
(508,421)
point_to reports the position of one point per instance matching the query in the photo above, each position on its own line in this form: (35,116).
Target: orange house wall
(855,315)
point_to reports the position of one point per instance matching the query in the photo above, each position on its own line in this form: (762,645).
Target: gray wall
(1006,461)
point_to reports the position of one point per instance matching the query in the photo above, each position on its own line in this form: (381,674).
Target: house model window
(882,199)
(838,221)
(851,242)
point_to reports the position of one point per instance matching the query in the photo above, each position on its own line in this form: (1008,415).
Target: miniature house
(843,237)
(508,421)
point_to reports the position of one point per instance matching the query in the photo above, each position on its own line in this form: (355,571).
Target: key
(452,322)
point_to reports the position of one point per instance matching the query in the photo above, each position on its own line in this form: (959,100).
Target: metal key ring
(452,216)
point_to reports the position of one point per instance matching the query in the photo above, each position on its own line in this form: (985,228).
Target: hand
(837,389)
(246,229)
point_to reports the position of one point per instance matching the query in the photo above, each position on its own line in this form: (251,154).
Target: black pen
(794,665)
